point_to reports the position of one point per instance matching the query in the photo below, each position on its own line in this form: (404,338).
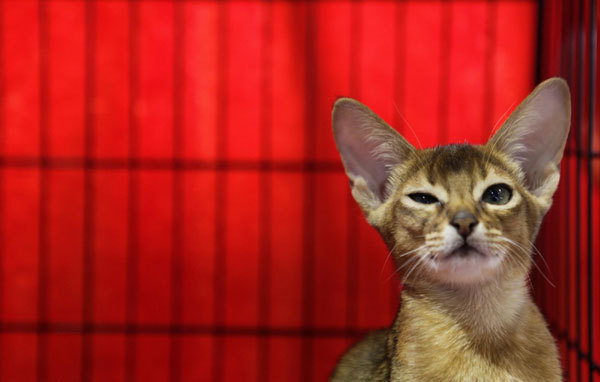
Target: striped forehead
(458,165)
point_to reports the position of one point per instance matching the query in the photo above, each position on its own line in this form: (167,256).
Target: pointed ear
(370,149)
(535,135)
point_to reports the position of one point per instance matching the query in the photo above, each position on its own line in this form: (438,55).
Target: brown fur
(486,328)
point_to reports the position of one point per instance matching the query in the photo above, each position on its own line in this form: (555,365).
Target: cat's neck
(489,310)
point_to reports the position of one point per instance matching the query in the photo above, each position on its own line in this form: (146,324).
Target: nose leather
(464,222)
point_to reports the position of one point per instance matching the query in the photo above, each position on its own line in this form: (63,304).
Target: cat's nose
(464,222)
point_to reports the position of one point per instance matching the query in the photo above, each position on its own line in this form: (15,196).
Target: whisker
(510,257)
(412,251)
(407,124)
(519,247)
(421,260)
(408,262)
(541,256)
(386,260)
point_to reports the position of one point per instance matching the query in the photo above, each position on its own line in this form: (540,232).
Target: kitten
(460,221)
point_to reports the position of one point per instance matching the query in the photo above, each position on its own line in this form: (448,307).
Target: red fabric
(172,204)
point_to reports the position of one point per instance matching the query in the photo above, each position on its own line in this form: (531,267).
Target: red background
(172,206)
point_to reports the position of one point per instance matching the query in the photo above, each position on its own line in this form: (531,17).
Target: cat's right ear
(370,150)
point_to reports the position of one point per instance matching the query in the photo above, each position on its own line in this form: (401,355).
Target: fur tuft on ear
(535,135)
(369,148)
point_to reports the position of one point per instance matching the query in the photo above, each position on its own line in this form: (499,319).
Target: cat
(460,222)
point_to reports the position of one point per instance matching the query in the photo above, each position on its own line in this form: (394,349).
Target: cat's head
(458,214)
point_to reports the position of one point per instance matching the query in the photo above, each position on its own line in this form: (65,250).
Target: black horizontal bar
(288,1)
(116,328)
(112,163)
(166,164)
(581,153)
(575,345)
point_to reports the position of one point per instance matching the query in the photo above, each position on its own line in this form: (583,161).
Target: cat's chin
(465,265)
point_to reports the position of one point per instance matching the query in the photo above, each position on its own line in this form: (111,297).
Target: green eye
(421,197)
(497,194)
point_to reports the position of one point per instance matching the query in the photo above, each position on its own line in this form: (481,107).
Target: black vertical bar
(590,207)
(221,184)
(132,198)
(265,196)
(2,151)
(578,117)
(88,194)
(399,96)
(177,191)
(43,277)
(444,82)
(541,285)
(352,254)
(538,78)
(491,26)
(539,54)
(565,68)
(308,202)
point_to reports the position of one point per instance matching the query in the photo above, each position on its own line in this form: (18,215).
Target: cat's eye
(421,197)
(497,194)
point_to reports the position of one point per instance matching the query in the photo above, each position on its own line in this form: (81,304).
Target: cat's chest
(432,347)
(436,362)
(441,351)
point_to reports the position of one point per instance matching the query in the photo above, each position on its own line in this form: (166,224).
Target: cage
(172,206)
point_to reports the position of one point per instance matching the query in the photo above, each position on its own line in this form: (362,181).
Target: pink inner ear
(369,148)
(536,133)
(359,159)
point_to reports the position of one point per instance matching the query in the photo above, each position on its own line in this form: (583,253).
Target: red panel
(152,352)
(200,87)
(196,358)
(328,66)
(285,359)
(65,247)
(572,253)
(288,75)
(241,252)
(154,107)
(377,300)
(198,247)
(421,89)
(513,57)
(244,70)
(330,250)
(20,80)
(64,355)
(286,250)
(326,354)
(596,259)
(108,356)
(18,357)
(111,74)
(154,239)
(66,71)
(110,222)
(240,359)
(373,75)
(466,70)
(21,220)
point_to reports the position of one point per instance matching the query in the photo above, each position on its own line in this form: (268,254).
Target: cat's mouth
(464,250)
(465,264)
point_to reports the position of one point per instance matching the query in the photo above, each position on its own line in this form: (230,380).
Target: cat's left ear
(535,135)
(370,150)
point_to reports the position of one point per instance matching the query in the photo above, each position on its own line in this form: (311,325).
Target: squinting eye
(423,198)
(497,194)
